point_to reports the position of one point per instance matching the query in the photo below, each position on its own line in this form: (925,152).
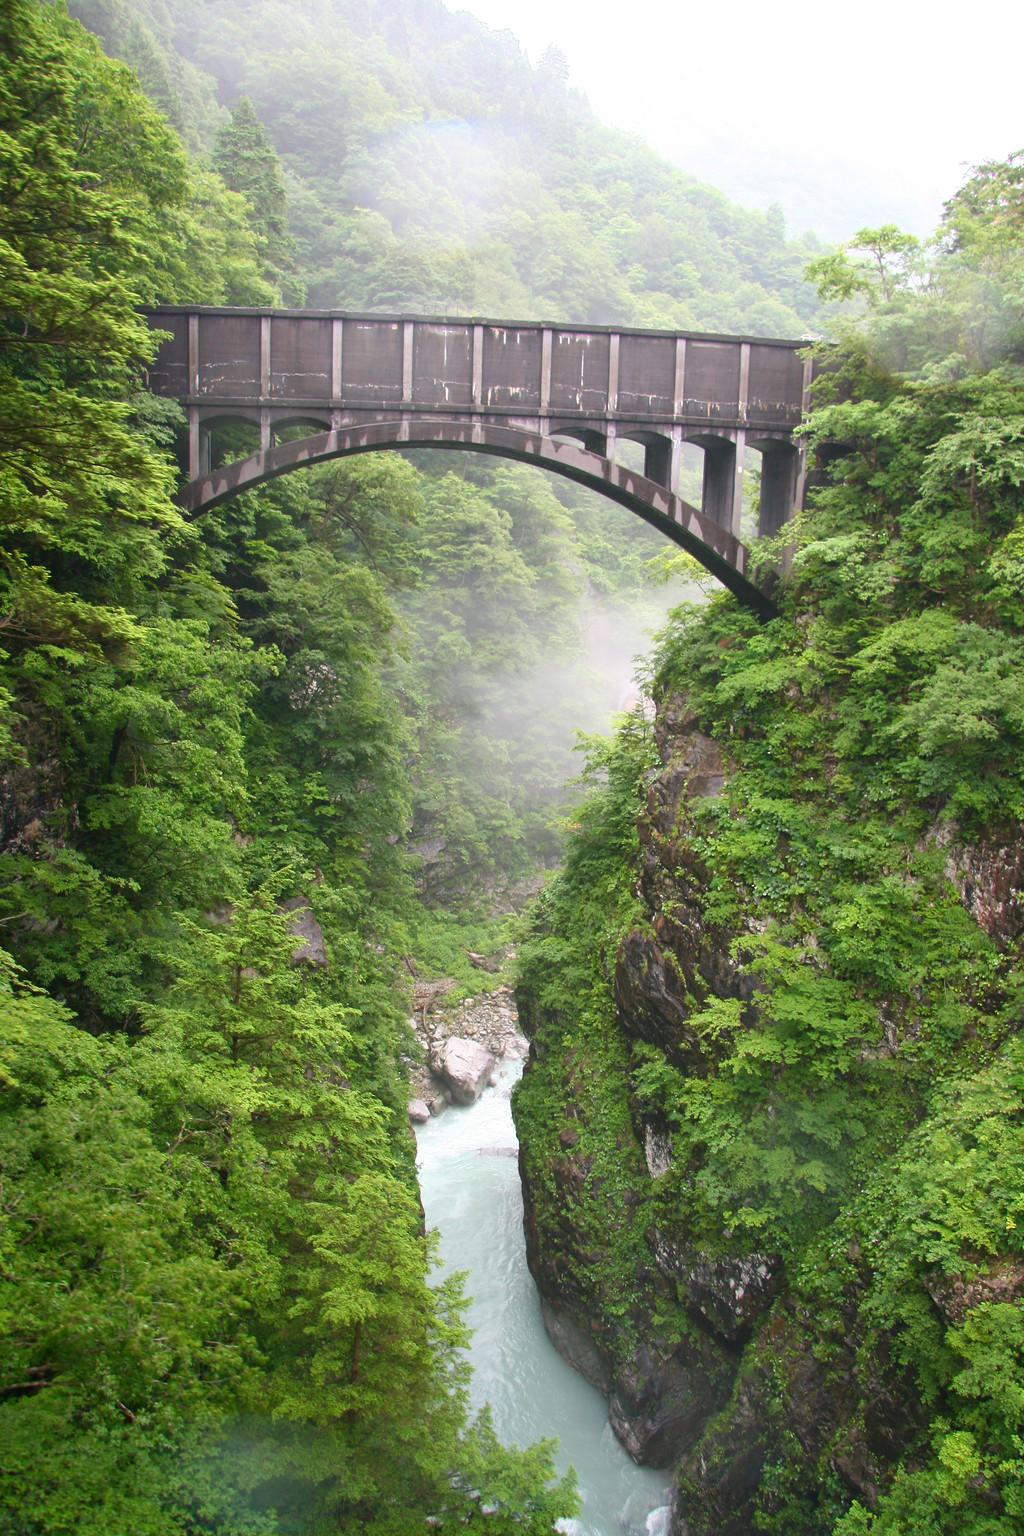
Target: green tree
(248,165)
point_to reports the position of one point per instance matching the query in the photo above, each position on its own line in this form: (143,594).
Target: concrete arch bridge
(562,398)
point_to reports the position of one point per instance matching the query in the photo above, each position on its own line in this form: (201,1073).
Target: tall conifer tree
(246,162)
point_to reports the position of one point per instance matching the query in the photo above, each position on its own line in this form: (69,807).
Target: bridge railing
(370,362)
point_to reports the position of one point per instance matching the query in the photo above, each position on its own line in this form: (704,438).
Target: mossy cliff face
(772,1129)
(702,1372)
(607,1307)
(654,1327)
(771,1354)
(784,1408)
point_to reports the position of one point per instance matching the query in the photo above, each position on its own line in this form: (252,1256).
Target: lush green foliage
(860,1116)
(246,163)
(214,1284)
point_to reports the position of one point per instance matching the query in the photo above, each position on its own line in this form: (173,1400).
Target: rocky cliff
(716,1355)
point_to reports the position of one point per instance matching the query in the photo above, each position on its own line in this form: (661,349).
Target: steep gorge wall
(715,1360)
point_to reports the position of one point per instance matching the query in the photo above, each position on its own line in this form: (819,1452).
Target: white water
(474,1198)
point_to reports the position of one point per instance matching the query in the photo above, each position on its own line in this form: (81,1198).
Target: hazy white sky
(846,114)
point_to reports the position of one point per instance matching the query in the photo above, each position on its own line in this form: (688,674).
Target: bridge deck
(312,358)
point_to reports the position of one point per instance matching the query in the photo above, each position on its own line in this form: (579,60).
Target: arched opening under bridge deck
(716,547)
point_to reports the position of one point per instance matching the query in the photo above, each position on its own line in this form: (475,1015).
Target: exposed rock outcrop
(31,807)
(660,1389)
(989,879)
(663,1376)
(465,1066)
(657,1395)
(847,1424)
(998,1280)
(305,928)
(488,1022)
(728,1293)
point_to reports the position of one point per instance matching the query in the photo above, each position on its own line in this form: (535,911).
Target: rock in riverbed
(465,1066)
(489,1021)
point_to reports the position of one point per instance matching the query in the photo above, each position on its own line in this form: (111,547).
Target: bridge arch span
(713,545)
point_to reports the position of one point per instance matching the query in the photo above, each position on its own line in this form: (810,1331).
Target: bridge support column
(676,460)
(805,406)
(719,492)
(264,430)
(780,465)
(199,456)
(609,443)
(801,477)
(193,443)
(658,461)
(737,490)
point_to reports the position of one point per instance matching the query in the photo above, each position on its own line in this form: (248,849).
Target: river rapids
(469,1181)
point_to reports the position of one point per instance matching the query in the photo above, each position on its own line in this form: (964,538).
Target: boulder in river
(419,1113)
(466,1067)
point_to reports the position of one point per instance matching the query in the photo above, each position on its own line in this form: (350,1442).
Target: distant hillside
(428,166)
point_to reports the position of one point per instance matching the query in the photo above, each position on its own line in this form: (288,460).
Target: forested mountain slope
(215,1309)
(772,1123)
(404,156)
(430,168)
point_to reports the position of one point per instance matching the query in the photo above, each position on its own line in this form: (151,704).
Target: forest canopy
(428,167)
